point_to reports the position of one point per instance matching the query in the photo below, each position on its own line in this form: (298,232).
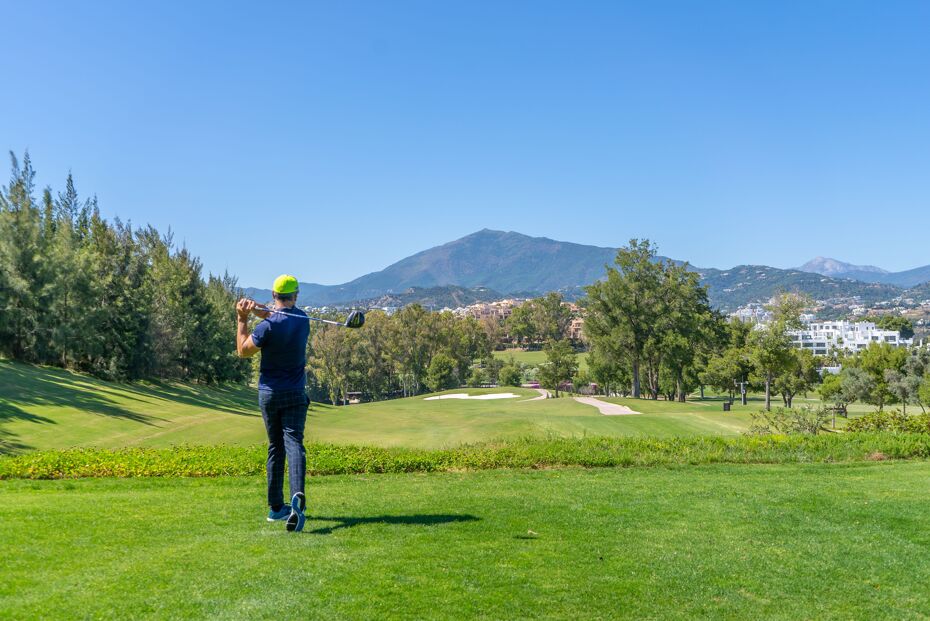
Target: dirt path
(607,409)
(543,394)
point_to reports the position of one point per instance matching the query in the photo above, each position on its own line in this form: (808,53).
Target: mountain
(866,273)
(732,288)
(502,261)
(831,267)
(489,263)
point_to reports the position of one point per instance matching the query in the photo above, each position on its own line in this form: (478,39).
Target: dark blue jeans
(285,414)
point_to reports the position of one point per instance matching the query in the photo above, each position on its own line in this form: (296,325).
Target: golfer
(282,339)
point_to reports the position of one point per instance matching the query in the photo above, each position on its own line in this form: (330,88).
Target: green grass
(207,461)
(44,408)
(535,357)
(714,542)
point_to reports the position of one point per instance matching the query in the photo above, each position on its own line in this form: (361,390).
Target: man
(281,336)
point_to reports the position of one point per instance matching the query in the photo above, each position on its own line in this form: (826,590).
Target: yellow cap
(284,284)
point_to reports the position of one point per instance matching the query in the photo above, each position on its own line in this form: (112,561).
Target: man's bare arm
(244,345)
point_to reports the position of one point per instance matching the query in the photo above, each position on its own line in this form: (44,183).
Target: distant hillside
(489,263)
(919,293)
(730,289)
(826,266)
(434,297)
(502,261)
(867,273)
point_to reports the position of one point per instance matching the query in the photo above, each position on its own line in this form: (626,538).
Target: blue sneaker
(295,521)
(280,514)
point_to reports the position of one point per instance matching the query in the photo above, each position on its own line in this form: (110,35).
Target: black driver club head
(356,319)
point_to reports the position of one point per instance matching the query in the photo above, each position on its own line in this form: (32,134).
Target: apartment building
(823,337)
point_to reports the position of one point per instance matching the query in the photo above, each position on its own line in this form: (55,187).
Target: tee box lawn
(822,541)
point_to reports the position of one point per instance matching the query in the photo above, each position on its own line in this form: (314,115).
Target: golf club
(356,318)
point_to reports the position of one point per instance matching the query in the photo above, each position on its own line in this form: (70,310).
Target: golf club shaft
(262,307)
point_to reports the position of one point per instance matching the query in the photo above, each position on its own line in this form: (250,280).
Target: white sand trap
(462,395)
(607,409)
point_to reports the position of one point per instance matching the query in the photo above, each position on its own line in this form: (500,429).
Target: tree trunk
(702,392)
(636,392)
(768,393)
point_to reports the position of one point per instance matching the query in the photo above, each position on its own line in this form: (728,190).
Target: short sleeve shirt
(282,339)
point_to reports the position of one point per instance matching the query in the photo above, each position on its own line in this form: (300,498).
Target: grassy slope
(718,542)
(48,408)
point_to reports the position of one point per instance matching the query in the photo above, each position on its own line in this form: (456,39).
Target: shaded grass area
(322,459)
(45,407)
(710,542)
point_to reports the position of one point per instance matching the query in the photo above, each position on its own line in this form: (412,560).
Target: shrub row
(324,459)
(893,421)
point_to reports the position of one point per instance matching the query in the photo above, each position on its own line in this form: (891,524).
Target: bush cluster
(789,421)
(893,421)
(325,459)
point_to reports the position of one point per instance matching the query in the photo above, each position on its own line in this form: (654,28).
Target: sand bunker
(462,395)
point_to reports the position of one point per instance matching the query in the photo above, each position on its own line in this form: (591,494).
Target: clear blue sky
(331,139)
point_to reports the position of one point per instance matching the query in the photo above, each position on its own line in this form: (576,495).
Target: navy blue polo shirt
(283,341)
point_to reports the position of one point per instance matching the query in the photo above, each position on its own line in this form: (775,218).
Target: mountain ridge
(867,273)
(509,262)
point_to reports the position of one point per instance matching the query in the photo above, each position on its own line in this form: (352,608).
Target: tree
(642,312)
(876,360)
(581,381)
(727,369)
(332,360)
(854,385)
(771,349)
(441,373)
(550,316)
(477,377)
(799,375)
(609,373)
(901,325)
(83,293)
(560,365)
(493,330)
(509,375)
(923,391)
(520,325)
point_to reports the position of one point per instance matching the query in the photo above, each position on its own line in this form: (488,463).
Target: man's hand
(244,345)
(245,307)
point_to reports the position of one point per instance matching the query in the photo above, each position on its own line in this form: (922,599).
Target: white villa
(823,337)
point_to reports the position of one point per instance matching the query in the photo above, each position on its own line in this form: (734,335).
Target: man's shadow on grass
(411,520)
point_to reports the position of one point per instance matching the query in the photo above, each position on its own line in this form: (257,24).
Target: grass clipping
(325,459)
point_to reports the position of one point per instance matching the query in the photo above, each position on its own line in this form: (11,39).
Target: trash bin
(726,406)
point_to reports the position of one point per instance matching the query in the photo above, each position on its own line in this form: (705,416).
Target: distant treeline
(399,355)
(79,292)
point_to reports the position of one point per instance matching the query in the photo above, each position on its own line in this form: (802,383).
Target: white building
(823,337)
(752,313)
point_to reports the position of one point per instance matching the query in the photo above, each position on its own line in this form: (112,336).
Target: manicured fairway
(713,542)
(535,357)
(42,408)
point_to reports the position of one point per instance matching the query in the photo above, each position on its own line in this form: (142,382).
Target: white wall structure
(752,313)
(823,337)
